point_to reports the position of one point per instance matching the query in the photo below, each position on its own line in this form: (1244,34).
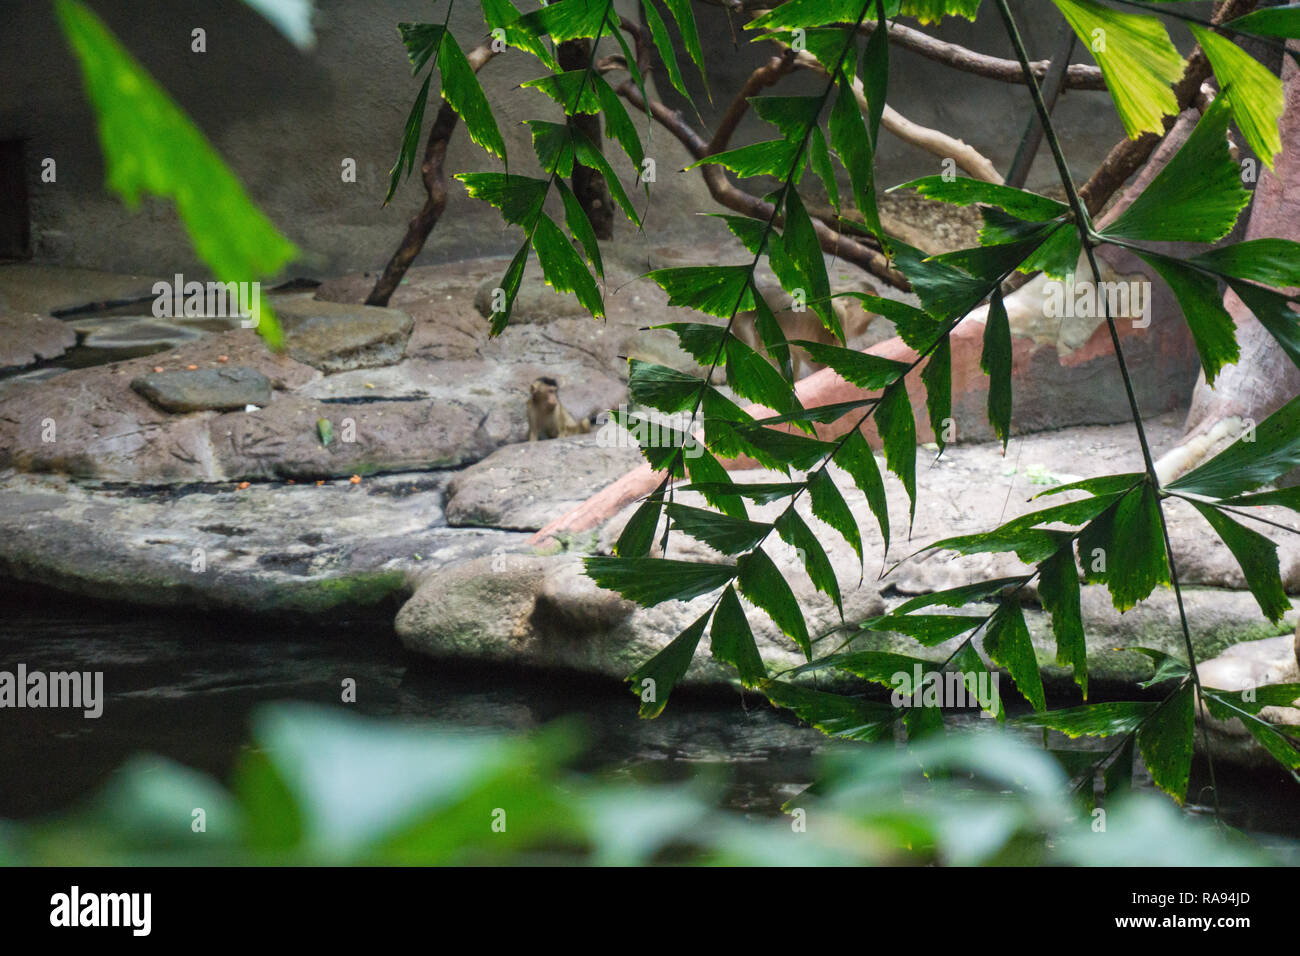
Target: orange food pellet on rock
(355,479)
(242,485)
(192,368)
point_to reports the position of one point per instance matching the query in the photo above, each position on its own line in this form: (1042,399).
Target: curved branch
(435,187)
(975,163)
(1080,76)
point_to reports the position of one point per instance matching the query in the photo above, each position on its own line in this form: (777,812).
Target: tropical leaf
(1196,197)
(829,505)
(927,629)
(937,379)
(566,20)
(654,680)
(1130,542)
(563,268)
(979,680)
(1092,720)
(1058,589)
(685,19)
(798,535)
(861,368)
(732,641)
(410,147)
(852,143)
(519,198)
(963,192)
(820,158)
(800,240)
(752,376)
(1213,329)
(1136,58)
(765,587)
(651,581)
(575,217)
(1007,643)
(1270,261)
(705,470)
(775,157)
(1165,741)
(1271,22)
(897,430)
(638,534)
(995,362)
(834,714)
(590,155)
(856,457)
(945,291)
(664,44)
(1256,555)
(960,596)
(151,146)
(461,89)
(554,145)
(719,291)
(1253,92)
(719,531)
(618,124)
(1258,458)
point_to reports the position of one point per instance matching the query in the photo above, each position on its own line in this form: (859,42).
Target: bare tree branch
(435,187)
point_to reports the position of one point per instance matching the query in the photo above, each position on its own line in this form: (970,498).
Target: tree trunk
(588,185)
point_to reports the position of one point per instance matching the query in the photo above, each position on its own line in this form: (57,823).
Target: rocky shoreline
(378,466)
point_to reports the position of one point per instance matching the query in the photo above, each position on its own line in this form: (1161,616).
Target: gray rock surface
(523,486)
(1250,665)
(294,549)
(208,389)
(27,338)
(337,337)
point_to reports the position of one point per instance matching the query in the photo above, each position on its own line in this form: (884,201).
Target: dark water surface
(182,684)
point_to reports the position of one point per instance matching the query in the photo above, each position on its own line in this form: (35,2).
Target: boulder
(523,486)
(208,389)
(27,338)
(305,549)
(1240,667)
(547,613)
(335,337)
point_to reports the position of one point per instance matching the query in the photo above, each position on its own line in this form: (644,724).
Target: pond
(182,684)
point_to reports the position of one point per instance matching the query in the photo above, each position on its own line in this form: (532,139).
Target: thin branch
(736,199)
(1079,76)
(435,188)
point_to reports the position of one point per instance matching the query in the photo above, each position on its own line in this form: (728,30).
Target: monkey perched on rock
(547,418)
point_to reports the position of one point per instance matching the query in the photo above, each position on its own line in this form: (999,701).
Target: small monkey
(547,418)
(805,325)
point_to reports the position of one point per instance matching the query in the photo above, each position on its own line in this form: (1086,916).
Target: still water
(183,685)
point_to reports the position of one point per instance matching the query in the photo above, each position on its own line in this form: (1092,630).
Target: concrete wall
(285,120)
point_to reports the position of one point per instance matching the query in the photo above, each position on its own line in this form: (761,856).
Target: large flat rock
(523,486)
(27,338)
(277,549)
(208,389)
(339,337)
